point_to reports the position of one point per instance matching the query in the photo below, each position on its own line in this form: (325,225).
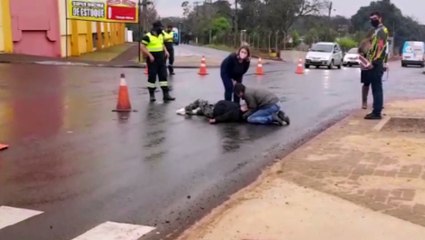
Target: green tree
(327,34)
(347,43)
(296,40)
(401,27)
(311,37)
(220,25)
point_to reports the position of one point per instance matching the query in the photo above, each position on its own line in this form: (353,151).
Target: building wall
(35,27)
(79,37)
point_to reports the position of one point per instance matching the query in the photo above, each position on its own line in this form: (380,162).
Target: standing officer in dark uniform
(377,55)
(169,44)
(153,47)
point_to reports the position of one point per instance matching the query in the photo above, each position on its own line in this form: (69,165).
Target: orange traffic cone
(300,67)
(3,146)
(146,69)
(203,69)
(260,70)
(123,104)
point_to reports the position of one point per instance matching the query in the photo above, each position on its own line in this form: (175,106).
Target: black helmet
(157,24)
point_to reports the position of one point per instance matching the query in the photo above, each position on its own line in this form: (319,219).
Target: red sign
(119,13)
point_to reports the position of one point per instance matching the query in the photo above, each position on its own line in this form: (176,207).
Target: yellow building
(6,44)
(68,37)
(84,36)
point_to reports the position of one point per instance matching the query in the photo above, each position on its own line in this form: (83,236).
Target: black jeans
(228,89)
(170,50)
(375,76)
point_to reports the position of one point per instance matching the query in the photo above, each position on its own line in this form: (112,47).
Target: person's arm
(144,50)
(246,66)
(167,54)
(252,105)
(227,66)
(225,117)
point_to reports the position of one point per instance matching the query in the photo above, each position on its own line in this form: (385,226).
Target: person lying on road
(222,111)
(263,106)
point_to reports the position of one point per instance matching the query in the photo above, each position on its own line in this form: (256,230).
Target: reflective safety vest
(373,52)
(168,37)
(155,44)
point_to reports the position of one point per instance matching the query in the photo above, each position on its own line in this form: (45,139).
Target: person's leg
(365,80)
(365,93)
(228,87)
(171,61)
(163,82)
(376,82)
(152,73)
(236,99)
(264,116)
(207,109)
(194,105)
(378,96)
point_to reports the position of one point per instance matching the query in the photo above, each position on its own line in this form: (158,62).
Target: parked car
(351,58)
(413,54)
(324,54)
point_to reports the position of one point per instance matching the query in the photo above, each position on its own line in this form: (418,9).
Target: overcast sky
(413,8)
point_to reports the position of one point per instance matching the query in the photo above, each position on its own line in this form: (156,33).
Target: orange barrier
(123,104)
(300,67)
(260,69)
(203,68)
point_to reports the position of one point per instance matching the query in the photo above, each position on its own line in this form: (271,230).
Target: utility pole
(236,23)
(143,8)
(330,10)
(145,4)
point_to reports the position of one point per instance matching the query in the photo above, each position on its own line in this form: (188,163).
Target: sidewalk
(125,55)
(357,180)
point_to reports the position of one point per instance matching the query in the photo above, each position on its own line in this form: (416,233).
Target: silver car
(324,54)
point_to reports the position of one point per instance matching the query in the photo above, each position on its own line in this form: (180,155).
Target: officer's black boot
(167,96)
(152,95)
(171,70)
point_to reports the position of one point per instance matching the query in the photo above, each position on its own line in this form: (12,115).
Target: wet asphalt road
(82,165)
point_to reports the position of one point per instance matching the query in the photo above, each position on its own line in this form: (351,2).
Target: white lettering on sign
(89,10)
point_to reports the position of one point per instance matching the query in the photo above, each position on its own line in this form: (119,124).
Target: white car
(324,54)
(351,58)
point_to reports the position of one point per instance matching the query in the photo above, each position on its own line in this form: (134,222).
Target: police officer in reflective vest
(153,47)
(169,44)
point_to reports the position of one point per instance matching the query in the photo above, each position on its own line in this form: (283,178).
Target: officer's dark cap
(157,24)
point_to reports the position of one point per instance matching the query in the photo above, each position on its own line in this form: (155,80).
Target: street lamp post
(236,21)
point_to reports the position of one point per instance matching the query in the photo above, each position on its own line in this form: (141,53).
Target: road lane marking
(10,215)
(115,231)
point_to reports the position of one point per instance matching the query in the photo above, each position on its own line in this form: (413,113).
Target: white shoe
(181,112)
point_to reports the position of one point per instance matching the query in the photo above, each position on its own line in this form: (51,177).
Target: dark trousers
(158,69)
(228,89)
(170,59)
(375,75)
(205,108)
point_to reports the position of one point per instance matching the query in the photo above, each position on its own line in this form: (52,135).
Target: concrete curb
(108,65)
